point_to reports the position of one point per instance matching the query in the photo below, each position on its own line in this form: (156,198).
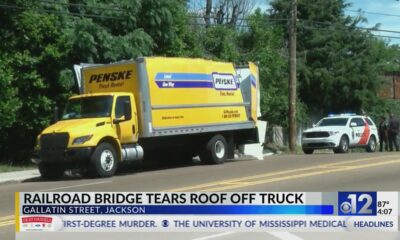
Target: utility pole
(292,77)
(207,17)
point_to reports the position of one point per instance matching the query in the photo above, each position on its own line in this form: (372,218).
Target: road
(317,172)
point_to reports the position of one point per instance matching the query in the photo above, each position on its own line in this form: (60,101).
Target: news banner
(206,212)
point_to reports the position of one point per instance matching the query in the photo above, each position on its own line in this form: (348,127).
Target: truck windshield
(88,107)
(332,122)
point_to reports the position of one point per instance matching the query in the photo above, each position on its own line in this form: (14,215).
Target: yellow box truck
(151,107)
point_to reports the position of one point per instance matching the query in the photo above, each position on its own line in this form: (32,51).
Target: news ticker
(202,211)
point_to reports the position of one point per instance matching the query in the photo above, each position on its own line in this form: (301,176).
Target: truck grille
(316,134)
(54,141)
(319,145)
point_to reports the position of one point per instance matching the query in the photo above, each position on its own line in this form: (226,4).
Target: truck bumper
(69,155)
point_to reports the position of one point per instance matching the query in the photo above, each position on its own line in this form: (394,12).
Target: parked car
(341,132)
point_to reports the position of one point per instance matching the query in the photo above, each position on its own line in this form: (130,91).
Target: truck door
(126,130)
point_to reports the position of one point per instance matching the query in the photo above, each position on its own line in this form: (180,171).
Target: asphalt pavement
(317,172)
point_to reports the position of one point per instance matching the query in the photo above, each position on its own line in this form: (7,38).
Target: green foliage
(263,43)
(338,63)
(43,39)
(9,102)
(219,42)
(93,43)
(165,22)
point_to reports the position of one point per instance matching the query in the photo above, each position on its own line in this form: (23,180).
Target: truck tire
(371,144)
(308,151)
(182,157)
(51,171)
(216,150)
(103,162)
(343,145)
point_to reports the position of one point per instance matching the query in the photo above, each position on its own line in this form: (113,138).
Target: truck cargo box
(180,95)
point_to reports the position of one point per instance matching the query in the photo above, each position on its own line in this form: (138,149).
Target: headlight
(80,140)
(331,133)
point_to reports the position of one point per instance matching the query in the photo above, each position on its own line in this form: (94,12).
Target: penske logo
(224,81)
(112,76)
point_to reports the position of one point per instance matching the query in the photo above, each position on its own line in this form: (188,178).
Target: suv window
(119,107)
(369,121)
(359,121)
(332,122)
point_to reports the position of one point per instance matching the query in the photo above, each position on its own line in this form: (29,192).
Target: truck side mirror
(353,124)
(127,111)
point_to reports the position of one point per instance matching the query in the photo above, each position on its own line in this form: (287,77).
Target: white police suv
(341,132)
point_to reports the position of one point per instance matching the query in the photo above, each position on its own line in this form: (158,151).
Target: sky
(373,12)
(376,12)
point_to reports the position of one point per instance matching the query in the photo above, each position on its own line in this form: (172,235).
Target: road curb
(18,176)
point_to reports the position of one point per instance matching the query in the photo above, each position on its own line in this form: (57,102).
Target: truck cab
(95,130)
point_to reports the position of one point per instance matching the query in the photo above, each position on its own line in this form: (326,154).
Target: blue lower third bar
(180,209)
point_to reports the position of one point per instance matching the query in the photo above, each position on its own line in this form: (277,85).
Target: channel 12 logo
(357,204)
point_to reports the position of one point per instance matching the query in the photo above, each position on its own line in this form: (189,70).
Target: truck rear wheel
(103,162)
(51,171)
(216,150)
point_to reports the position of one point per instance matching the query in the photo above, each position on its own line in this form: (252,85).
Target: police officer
(394,127)
(383,134)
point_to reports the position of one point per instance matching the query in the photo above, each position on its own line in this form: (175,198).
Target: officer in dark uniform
(383,134)
(393,131)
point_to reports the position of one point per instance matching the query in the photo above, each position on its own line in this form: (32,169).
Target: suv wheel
(371,144)
(343,145)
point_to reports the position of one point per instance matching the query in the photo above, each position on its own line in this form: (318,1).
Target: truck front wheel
(51,171)
(216,150)
(103,162)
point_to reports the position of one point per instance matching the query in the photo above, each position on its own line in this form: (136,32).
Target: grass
(4,167)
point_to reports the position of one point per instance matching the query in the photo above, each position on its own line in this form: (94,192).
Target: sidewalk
(18,176)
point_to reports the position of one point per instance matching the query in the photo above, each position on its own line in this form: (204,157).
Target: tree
(337,63)
(9,102)
(207,16)
(28,59)
(263,43)
(41,40)
(231,13)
